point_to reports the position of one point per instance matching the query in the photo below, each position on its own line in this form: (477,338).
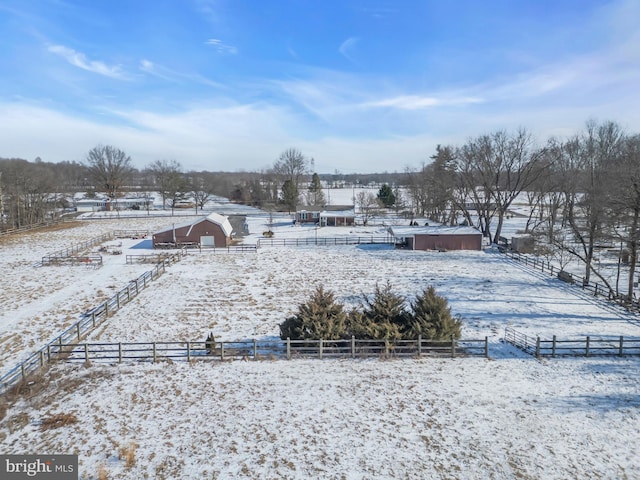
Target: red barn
(437,238)
(214,230)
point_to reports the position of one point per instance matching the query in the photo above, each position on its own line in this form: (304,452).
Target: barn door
(207,241)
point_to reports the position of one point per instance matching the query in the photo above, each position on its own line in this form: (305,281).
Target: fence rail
(595,288)
(87,323)
(133,234)
(258,349)
(346,240)
(574,347)
(74,250)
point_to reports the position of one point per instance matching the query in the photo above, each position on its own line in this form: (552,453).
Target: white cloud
(416,102)
(80,60)
(222,47)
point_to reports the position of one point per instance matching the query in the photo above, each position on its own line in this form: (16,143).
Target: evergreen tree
(431,317)
(316,196)
(386,196)
(290,195)
(320,318)
(381,316)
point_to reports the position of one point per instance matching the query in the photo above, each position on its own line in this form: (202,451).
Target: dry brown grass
(58,420)
(102,473)
(128,454)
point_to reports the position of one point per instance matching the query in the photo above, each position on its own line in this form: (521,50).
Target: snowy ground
(508,417)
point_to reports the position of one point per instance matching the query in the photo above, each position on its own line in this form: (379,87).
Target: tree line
(583,192)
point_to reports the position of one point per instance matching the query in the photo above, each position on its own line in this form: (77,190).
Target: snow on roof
(222,221)
(216,218)
(408,231)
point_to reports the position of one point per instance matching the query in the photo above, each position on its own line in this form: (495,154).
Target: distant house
(437,238)
(102,204)
(327,216)
(214,230)
(337,218)
(308,216)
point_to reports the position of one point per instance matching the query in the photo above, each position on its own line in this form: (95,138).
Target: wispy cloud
(347,48)
(222,47)
(159,71)
(78,59)
(416,102)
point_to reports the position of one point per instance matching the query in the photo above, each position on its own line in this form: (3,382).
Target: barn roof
(216,218)
(407,231)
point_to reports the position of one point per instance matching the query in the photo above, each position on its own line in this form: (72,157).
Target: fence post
(486,347)
(42,358)
(154,352)
(188,351)
(86,353)
(221,350)
(453,347)
(93,318)
(22,371)
(419,345)
(120,352)
(353,346)
(118,300)
(288,348)
(587,347)
(255,348)
(320,348)
(78,330)
(620,350)
(49,352)
(106,309)
(537,347)
(553,347)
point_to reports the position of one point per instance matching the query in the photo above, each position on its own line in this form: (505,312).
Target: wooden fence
(261,349)
(73,251)
(346,240)
(87,323)
(595,288)
(574,347)
(133,234)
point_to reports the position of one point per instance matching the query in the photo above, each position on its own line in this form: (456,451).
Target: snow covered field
(507,417)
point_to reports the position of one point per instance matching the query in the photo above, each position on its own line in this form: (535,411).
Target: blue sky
(357,85)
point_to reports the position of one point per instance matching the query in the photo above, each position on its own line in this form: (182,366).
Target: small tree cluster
(383,316)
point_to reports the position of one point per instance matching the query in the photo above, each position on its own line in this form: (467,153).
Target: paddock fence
(262,349)
(595,288)
(589,346)
(89,320)
(71,254)
(346,240)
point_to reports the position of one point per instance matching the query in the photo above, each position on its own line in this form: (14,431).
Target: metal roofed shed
(440,238)
(214,230)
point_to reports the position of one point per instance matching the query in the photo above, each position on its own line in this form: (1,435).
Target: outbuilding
(436,238)
(214,230)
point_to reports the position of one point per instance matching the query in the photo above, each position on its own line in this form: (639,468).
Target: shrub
(210,343)
(431,317)
(319,317)
(381,316)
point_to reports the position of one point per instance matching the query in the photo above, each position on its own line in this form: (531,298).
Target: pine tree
(386,196)
(431,317)
(381,316)
(316,196)
(319,318)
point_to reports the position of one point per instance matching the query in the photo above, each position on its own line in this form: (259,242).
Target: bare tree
(367,205)
(292,166)
(164,173)
(110,168)
(495,169)
(588,161)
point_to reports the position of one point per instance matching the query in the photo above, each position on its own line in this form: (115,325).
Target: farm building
(437,238)
(328,216)
(214,230)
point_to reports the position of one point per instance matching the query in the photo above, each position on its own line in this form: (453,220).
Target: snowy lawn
(508,417)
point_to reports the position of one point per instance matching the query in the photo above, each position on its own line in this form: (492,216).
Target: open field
(508,417)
